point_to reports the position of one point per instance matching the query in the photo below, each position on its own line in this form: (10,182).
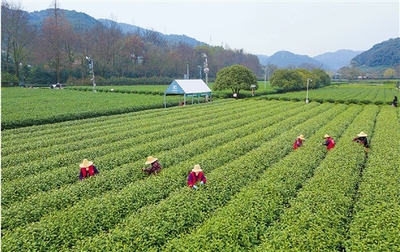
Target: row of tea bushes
(376,223)
(23,107)
(57,140)
(346,94)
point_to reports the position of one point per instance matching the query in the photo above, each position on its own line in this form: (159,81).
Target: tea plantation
(260,194)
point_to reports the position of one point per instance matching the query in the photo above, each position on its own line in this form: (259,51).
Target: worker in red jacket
(87,169)
(299,142)
(155,166)
(196,177)
(329,142)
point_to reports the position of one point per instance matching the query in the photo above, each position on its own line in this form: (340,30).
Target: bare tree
(55,46)
(16,35)
(104,44)
(271,68)
(130,56)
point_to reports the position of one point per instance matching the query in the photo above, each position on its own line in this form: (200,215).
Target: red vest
(297,143)
(89,172)
(192,178)
(331,143)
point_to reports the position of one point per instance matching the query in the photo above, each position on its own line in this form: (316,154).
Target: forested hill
(172,38)
(79,21)
(82,22)
(386,54)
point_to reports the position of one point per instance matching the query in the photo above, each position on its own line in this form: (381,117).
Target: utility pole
(206,69)
(91,66)
(308,83)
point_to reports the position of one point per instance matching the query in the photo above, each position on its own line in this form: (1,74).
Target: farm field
(345,93)
(264,89)
(260,194)
(141,88)
(26,107)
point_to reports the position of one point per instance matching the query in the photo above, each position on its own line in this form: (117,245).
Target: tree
(350,73)
(322,77)
(180,57)
(235,77)
(8,79)
(288,80)
(54,46)
(318,77)
(16,35)
(106,45)
(271,68)
(129,56)
(389,73)
(306,74)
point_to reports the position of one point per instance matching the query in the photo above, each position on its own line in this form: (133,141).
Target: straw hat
(301,137)
(151,160)
(361,134)
(85,163)
(326,136)
(197,168)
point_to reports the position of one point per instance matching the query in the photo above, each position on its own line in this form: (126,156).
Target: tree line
(55,52)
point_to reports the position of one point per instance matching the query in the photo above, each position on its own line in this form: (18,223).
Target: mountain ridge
(328,61)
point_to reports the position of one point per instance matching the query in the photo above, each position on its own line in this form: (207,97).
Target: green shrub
(8,79)
(330,100)
(354,101)
(379,102)
(365,101)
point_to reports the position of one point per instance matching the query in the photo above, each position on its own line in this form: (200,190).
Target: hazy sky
(258,27)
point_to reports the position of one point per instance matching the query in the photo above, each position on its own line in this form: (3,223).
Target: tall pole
(308,83)
(265,77)
(94,84)
(206,69)
(91,66)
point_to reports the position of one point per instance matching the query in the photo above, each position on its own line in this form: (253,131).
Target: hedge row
(328,100)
